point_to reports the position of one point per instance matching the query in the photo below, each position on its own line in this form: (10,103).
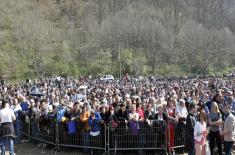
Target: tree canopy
(157,37)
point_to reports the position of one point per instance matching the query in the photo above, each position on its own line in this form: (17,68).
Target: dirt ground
(26,148)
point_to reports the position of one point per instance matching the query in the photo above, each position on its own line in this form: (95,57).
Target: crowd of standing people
(205,107)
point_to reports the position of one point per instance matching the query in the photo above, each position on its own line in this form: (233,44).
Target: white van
(107,78)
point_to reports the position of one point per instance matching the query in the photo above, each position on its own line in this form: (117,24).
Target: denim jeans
(6,140)
(17,127)
(34,127)
(228,147)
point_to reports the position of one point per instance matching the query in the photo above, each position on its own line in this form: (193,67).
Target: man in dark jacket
(123,117)
(190,124)
(122,114)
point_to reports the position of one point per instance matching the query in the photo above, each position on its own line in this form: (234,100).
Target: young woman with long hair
(200,133)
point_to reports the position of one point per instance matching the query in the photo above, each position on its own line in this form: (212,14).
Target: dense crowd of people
(205,107)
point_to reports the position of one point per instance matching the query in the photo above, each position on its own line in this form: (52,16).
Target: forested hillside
(158,37)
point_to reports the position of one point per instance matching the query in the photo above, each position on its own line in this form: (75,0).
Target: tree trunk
(100,14)
(154,62)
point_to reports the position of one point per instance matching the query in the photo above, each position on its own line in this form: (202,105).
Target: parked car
(107,78)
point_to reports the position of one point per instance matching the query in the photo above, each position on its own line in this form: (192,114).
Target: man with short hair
(17,124)
(190,125)
(228,130)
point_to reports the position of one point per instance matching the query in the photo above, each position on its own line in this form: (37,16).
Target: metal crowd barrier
(112,138)
(176,136)
(138,136)
(82,138)
(25,128)
(43,131)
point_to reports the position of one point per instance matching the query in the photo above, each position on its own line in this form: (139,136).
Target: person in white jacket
(7,133)
(200,133)
(228,130)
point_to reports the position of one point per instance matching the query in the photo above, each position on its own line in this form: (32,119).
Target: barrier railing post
(56,135)
(167,141)
(29,128)
(107,139)
(140,140)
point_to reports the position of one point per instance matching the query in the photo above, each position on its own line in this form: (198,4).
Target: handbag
(27,120)
(71,127)
(113,125)
(134,126)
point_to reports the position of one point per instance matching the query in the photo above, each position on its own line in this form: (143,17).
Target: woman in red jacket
(170,109)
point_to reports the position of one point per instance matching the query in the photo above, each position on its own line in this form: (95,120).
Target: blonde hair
(214,105)
(133,107)
(160,106)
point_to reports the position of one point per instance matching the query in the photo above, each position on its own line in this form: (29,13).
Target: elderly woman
(181,111)
(134,118)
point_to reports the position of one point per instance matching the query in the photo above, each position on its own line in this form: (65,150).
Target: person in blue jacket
(94,125)
(93,122)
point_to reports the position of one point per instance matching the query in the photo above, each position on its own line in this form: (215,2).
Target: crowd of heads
(79,95)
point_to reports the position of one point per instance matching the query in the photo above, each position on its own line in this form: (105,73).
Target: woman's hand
(205,132)
(148,122)
(199,133)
